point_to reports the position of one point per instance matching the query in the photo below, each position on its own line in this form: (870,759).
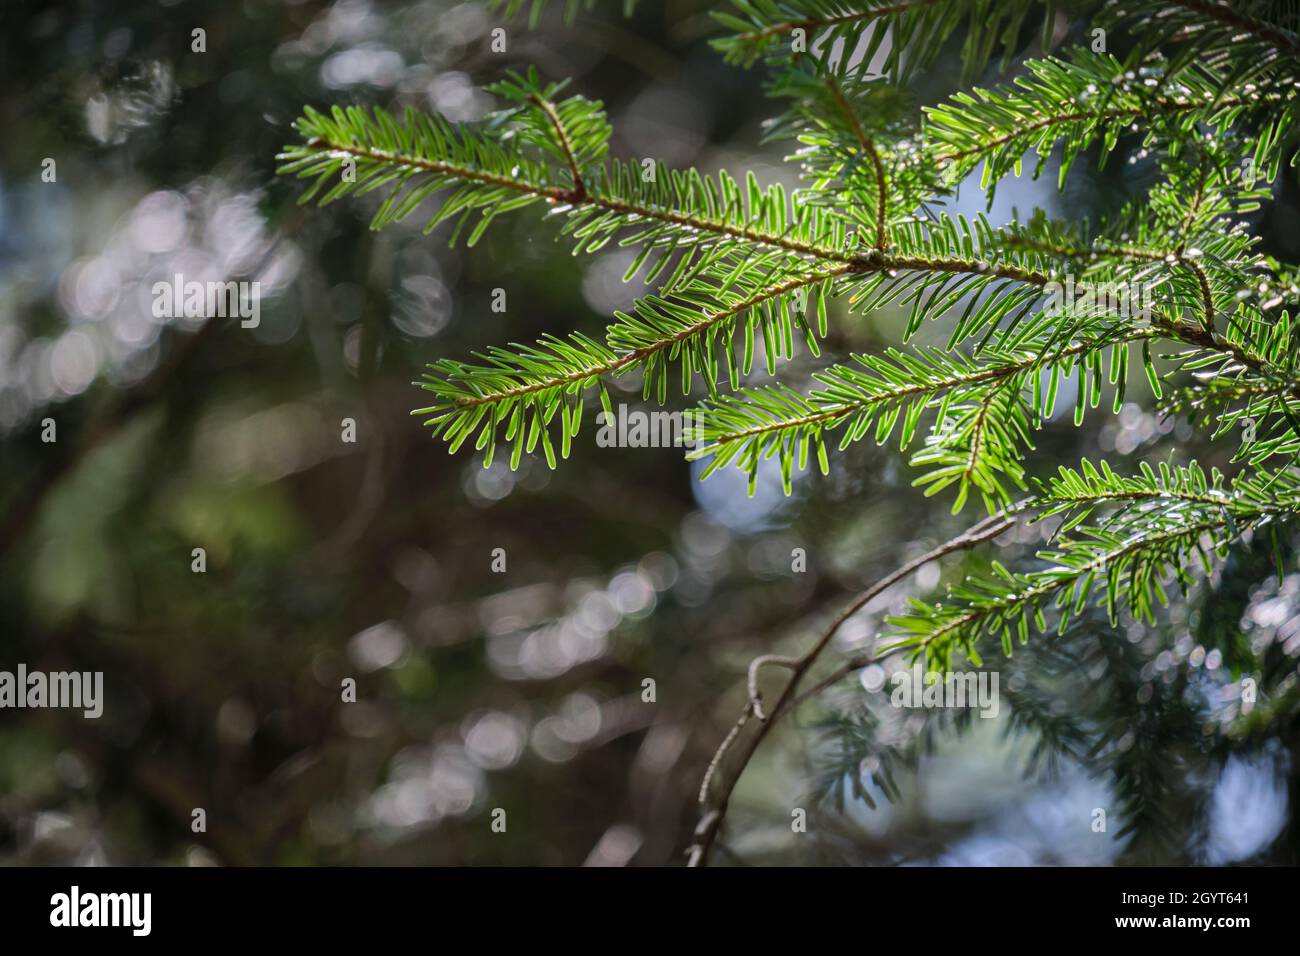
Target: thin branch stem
(791,698)
(977,434)
(566,146)
(756,665)
(715,803)
(869,147)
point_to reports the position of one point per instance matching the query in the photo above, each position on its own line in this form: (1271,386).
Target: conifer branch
(1224,13)
(1024,132)
(574,197)
(1068,577)
(621,362)
(916,29)
(930,388)
(832,20)
(1207,86)
(329,147)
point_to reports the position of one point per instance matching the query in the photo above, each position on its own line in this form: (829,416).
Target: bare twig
(715,799)
(755,698)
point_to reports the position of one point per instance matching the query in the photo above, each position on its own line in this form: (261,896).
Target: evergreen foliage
(1206,94)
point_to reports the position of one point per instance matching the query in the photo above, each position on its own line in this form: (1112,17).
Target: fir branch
(1224,13)
(1007,602)
(826,19)
(916,30)
(526,389)
(999,126)
(1207,87)
(889,391)
(428,155)
(868,147)
(1189,504)
(1250,39)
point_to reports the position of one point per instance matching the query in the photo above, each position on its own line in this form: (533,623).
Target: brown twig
(715,804)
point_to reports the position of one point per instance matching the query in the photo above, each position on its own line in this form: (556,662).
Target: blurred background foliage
(372,560)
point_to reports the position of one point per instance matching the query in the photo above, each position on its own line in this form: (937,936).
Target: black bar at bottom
(333,906)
